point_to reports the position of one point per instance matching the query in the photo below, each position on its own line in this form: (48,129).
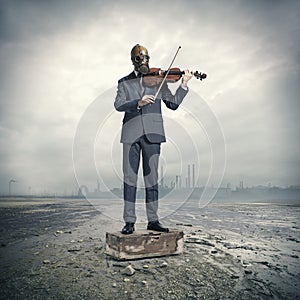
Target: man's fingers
(188,72)
(149,101)
(149,97)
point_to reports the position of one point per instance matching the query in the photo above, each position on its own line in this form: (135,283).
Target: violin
(156,76)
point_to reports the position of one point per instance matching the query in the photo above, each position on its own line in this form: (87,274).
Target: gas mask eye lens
(139,58)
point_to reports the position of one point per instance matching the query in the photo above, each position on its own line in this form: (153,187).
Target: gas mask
(140,59)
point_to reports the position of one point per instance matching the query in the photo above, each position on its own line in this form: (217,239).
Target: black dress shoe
(128,228)
(156,226)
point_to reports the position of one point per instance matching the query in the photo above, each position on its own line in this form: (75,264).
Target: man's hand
(186,77)
(147,99)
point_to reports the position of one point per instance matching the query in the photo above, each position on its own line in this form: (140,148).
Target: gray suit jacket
(148,120)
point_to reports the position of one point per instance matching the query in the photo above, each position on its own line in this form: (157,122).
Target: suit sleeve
(170,100)
(122,103)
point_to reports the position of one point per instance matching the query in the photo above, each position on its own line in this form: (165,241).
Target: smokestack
(189,176)
(193,175)
(162,176)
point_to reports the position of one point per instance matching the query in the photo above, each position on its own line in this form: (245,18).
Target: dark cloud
(24,20)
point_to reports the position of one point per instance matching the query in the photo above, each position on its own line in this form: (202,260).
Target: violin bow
(164,79)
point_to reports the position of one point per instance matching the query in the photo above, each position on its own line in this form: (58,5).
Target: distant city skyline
(169,183)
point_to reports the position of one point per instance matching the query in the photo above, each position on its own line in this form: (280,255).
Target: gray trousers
(131,162)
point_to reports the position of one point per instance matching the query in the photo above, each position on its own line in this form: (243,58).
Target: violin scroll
(199,75)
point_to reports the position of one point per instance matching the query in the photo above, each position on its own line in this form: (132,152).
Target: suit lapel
(137,84)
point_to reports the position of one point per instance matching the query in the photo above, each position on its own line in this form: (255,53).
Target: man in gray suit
(143,132)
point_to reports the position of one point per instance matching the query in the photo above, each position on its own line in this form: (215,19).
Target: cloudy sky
(59,66)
